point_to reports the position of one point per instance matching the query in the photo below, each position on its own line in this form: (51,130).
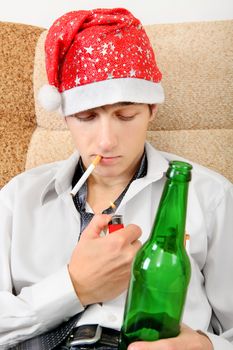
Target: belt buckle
(79,335)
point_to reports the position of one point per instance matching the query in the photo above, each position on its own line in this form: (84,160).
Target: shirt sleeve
(218,270)
(37,308)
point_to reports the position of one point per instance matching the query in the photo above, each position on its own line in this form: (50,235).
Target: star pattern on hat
(108,45)
(132,73)
(104,52)
(77,80)
(119,35)
(89,49)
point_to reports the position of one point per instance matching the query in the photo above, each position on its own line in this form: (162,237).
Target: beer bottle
(161,269)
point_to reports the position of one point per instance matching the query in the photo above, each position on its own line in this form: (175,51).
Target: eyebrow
(127,103)
(117,105)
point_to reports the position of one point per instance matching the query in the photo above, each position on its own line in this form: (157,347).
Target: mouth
(109,159)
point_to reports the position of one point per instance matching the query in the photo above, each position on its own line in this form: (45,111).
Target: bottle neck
(169,224)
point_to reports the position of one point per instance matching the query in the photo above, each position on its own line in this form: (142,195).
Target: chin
(108,172)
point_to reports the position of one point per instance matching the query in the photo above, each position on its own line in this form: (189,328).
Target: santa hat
(99,57)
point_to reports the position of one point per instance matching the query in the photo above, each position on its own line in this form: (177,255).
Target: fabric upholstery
(196,120)
(17,114)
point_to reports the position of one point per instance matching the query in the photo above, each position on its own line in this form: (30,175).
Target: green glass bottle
(161,269)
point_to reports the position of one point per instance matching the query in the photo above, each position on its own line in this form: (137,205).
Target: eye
(85,117)
(126,117)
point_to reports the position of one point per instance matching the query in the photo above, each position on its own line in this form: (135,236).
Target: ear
(153,109)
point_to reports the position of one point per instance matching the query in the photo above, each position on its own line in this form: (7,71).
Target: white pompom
(49,97)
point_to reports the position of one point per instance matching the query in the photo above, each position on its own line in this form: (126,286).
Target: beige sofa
(196,120)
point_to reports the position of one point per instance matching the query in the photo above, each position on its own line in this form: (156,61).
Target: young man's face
(116,132)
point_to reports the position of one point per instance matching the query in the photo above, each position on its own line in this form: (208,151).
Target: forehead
(119,105)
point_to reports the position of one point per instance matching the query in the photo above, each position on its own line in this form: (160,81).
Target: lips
(109,160)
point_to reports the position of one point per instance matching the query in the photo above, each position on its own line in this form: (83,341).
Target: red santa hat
(99,57)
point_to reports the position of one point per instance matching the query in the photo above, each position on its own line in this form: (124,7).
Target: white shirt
(39,229)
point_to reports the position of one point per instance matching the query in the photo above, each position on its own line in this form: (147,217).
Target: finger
(130,233)
(162,344)
(142,345)
(96,225)
(136,245)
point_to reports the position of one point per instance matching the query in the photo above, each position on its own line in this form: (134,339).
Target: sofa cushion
(196,120)
(17,112)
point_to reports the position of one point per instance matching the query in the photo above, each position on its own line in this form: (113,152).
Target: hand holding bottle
(187,339)
(100,266)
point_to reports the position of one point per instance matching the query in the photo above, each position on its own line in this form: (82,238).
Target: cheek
(77,130)
(135,141)
(139,133)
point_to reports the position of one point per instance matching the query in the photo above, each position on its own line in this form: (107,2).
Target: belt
(88,337)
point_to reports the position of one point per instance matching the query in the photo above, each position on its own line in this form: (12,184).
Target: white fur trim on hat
(49,97)
(110,91)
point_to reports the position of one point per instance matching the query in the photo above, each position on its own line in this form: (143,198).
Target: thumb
(96,225)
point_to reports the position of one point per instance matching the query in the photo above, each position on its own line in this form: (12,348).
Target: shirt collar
(81,195)
(62,179)
(157,166)
(157,163)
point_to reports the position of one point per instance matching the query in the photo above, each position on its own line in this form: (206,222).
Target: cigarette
(85,175)
(112,205)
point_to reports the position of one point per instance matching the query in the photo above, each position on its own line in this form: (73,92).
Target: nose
(107,135)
